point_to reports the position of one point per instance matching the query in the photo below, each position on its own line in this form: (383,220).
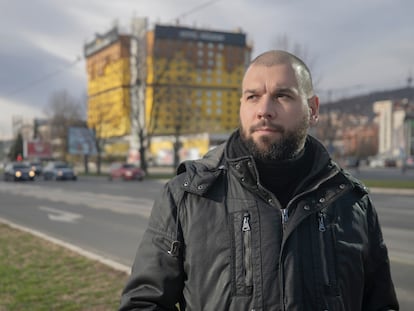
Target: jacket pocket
(242,254)
(327,242)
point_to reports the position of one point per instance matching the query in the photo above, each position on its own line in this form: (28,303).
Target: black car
(37,167)
(59,171)
(18,171)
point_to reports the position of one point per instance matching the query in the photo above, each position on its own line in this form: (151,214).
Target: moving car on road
(59,171)
(18,171)
(36,166)
(126,171)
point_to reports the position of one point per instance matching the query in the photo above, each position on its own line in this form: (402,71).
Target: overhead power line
(78,59)
(195,9)
(43,78)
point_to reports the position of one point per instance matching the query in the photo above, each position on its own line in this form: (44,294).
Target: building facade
(191,85)
(108,69)
(395,119)
(193,81)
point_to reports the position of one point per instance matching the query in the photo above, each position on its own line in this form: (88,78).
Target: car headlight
(18,174)
(128,173)
(59,173)
(32,174)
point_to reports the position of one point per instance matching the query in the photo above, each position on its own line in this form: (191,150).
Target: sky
(352,47)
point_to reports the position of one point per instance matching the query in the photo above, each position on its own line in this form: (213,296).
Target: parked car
(59,171)
(16,171)
(389,162)
(408,163)
(352,162)
(376,162)
(126,171)
(382,162)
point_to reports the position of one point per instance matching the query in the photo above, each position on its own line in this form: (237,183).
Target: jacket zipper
(327,245)
(321,221)
(313,188)
(285,218)
(282,275)
(247,254)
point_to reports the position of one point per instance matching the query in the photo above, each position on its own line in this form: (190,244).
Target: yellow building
(108,68)
(193,80)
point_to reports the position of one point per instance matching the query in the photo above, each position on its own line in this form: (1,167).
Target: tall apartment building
(108,69)
(192,82)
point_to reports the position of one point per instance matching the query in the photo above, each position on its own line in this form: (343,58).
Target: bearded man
(267,220)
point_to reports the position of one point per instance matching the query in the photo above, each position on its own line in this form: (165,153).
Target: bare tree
(100,141)
(284,42)
(63,111)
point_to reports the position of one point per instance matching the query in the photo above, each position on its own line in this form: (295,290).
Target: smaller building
(395,119)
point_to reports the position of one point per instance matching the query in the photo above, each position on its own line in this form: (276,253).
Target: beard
(286,147)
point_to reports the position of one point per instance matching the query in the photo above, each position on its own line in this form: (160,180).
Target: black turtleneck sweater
(282,178)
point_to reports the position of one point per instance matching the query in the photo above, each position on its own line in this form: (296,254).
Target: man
(266,221)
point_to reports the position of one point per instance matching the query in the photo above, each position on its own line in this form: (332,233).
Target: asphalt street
(105,220)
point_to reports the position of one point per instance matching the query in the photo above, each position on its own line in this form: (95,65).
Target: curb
(112,264)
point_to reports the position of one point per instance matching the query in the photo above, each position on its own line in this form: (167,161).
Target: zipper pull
(285,217)
(246,223)
(321,221)
(174,248)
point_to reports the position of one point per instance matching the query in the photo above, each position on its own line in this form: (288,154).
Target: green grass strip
(396,184)
(38,275)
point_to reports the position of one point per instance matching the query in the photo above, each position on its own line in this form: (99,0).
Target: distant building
(395,119)
(360,141)
(191,84)
(344,125)
(194,78)
(108,69)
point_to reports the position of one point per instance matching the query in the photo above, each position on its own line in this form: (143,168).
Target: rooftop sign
(183,33)
(101,41)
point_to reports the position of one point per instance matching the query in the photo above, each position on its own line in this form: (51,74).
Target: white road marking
(114,203)
(59,215)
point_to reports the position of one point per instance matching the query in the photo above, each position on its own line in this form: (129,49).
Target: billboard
(81,140)
(37,149)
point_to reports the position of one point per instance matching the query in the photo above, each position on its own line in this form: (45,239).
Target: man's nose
(266,108)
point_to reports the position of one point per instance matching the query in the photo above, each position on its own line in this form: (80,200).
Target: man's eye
(281,95)
(251,97)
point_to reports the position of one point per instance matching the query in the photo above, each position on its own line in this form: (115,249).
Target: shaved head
(278,57)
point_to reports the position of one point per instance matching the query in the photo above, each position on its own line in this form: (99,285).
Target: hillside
(363,104)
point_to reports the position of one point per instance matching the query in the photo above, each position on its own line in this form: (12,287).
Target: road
(109,218)
(390,173)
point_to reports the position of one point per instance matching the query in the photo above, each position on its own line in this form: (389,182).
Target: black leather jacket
(210,243)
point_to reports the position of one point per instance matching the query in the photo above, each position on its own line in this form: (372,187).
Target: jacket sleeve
(156,280)
(379,293)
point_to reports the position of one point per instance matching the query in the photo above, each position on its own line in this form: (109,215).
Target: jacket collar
(245,170)
(201,174)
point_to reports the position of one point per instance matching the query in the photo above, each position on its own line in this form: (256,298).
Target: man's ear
(313,104)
